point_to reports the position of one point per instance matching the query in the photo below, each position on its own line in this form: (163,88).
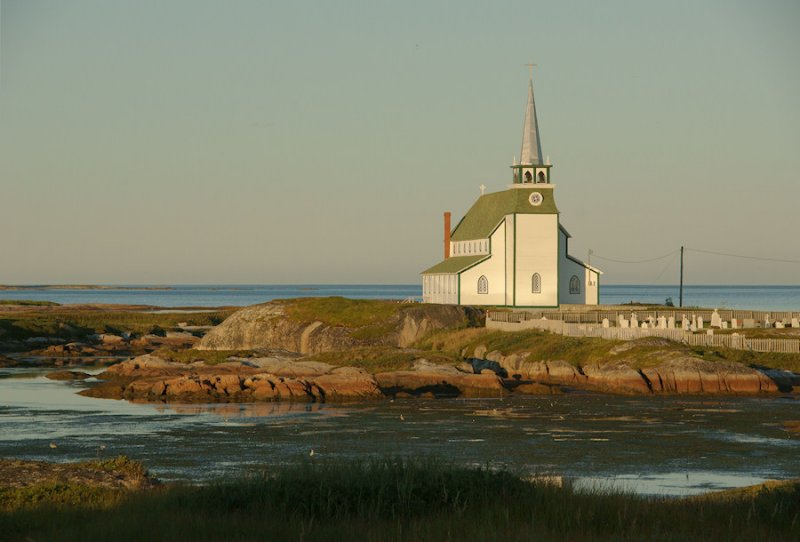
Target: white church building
(510,249)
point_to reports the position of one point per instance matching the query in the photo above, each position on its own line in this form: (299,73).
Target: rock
(440,384)
(348,383)
(68,375)
(616,377)
(691,375)
(536,388)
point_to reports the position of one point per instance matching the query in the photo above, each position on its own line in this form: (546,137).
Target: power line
(742,256)
(636,261)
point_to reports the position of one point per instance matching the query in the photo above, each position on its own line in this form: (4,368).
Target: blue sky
(304,142)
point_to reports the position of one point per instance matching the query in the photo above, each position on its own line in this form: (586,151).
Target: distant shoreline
(79,287)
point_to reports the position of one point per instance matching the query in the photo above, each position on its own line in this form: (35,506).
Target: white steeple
(531,146)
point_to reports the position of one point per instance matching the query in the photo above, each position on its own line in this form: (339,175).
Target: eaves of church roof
(486,213)
(455,264)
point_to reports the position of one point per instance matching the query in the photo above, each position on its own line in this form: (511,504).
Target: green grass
(29,303)
(544,346)
(377,359)
(77,323)
(405,500)
(340,311)
(541,344)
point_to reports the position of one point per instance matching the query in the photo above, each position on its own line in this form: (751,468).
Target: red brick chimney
(446,234)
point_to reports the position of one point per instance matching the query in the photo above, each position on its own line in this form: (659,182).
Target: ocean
(776,298)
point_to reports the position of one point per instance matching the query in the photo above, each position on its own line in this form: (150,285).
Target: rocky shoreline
(334,349)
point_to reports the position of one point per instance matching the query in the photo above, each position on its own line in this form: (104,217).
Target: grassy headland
(405,500)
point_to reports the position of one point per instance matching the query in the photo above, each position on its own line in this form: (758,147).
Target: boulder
(68,375)
(270,325)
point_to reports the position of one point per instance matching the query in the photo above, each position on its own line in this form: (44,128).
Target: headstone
(749,323)
(709,331)
(651,321)
(699,322)
(694,323)
(779,325)
(634,321)
(662,322)
(685,324)
(671,322)
(605,323)
(724,325)
(693,327)
(716,320)
(623,323)
(767,325)
(734,323)
(795,323)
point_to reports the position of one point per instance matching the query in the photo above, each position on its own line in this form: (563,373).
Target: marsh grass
(394,499)
(28,303)
(77,324)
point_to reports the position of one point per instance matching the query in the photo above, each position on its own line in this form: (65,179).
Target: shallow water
(653,445)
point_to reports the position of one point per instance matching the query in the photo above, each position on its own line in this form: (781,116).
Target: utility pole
(680,303)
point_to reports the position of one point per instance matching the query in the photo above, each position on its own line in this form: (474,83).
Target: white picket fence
(733,341)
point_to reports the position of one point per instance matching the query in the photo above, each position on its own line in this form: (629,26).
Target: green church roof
(489,210)
(455,264)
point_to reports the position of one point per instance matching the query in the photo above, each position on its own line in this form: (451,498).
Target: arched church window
(483,285)
(536,283)
(541,177)
(574,285)
(528,177)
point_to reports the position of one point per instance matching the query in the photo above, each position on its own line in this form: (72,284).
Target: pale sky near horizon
(191,141)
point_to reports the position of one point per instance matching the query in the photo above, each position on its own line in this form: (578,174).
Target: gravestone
(662,322)
(634,321)
(694,322)
(644,325)
(724,325)
(767,324)
(734,323)
(623,323)
(779,325)
(748,323)
(685,322)
(709,331)
(716,320)
(605,323)
(795,323)
(700,322)
(671,322)
(651,321)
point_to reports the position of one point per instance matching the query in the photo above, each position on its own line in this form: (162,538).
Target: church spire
(531,145)
(531,167)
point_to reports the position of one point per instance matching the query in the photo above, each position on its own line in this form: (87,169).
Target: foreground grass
(402,500)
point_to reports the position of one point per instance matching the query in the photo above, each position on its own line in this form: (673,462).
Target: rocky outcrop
(270,325)
(701,376)
(669,370)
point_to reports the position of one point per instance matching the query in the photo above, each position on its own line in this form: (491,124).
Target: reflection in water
(667,445)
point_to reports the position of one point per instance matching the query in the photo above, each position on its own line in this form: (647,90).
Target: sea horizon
(774,297)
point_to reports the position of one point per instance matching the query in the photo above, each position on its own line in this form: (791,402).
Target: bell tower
(531,167)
